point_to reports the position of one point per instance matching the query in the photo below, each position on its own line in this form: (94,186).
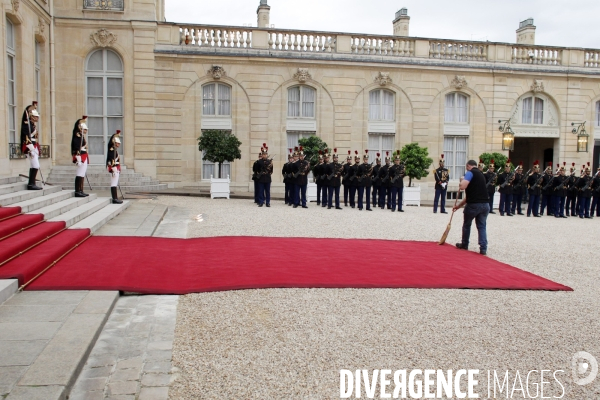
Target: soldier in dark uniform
(491,178)
(441,175)
(301,169)
(255,178)
(354,179)
(364,182)
(559,193)
(518,189)
(346,178)
(384,178)
(547,190)
(376,182)
(80,154)
(533,186)
(505,181)
(335,171)
(595,195)
(285,171)
(29,142)
(396,173)
(571,192)
(317,176)
(481,165)
(325,179)
(113,165)
(585,190)
(264,170)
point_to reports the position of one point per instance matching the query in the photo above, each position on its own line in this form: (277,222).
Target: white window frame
(455,166)
(454,117)
(533,110)
(225,168)
(597,115)
(105,74)
(380,105)
(216,100)
(302,101)
(379,147)
(11,83)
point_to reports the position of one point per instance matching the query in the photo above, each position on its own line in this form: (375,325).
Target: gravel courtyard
(292,343)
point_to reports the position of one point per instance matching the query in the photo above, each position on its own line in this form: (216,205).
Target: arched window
(533,110)
(456,108)
(104,94)
(597,116)
(216,99)
(301,102)
(381,105)
(11,75)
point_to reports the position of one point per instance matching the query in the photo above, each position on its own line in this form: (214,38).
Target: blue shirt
(468,176)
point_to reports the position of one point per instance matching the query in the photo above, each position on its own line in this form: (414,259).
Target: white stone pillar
(526,32)
(263,14)
(401,23)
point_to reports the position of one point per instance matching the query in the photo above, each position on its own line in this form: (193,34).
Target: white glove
(78,158)
(31,147)
(444,185)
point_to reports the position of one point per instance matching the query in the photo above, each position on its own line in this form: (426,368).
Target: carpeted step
(33,262)
(43,201)
(6,212)
(20,222)
(20,242)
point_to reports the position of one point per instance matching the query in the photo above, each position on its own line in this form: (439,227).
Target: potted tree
(311,146)
(219,146)
(416,161)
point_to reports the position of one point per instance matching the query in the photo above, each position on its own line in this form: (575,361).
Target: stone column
(262,13)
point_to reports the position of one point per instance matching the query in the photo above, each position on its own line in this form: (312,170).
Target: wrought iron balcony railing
(14,151)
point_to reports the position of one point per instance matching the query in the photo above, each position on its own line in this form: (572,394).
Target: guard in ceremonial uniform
(491,177)
(518,189)
(505,182)
(534,180)
(317,176)
(285,171)
(396,174)
(113,164)
(29,142)
(571,192)
(441,175)
(364,182)
(334,170)
(547,191)
(346,178)
(80,154)
(595,195)
(264,170)
(324,179)
(585,191)
(354,179)
(560,192)
(301,169)
(384,178)
(376,182)
(481,165)
(255,178)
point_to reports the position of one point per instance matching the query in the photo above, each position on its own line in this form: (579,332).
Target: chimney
(401,22)
(262,13)
(526,32)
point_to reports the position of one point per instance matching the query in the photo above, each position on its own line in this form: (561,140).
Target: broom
(445,235)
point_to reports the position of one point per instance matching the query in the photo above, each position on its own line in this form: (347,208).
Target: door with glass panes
(104,93)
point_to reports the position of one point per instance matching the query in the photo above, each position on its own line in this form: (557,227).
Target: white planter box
(496,200)
(412,196)
(311,192)
(219,187)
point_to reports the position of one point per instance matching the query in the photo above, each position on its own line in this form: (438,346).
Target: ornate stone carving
(103,38)
(15,5)
(383,78)
(302,75)
(41,26)
(459,82)
(537,86)
(216,71)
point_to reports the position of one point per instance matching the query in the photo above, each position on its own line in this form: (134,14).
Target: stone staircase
(99,178)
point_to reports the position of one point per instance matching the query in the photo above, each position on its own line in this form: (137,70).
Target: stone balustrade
(455,50)
(538,55)
(347,45)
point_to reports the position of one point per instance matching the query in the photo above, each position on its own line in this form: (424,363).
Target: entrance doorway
(528,150)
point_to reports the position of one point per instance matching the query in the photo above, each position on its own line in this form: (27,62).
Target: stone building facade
(162,83)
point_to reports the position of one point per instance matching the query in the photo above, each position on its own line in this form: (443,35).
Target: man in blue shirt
(477,206)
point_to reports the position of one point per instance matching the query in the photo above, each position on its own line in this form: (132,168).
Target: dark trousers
(479,213)
(382,193)
(505,203)
(362,190)
(256,192)
(375,192)
(264,193)
(595,206)
(571,204)
(346,194)
(584,206)
(289,195)
(319,187)
(352,196)
(396,197)
(516,203)
(440,193)
(534,205)
(325,189)
(332,190)
(388,192)
(299,195)
(559,206)
(491,203)
(547,202)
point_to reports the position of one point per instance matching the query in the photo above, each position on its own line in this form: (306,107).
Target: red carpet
(23,240)
(6,212)
(179,266)
(37,259)
(14,224)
